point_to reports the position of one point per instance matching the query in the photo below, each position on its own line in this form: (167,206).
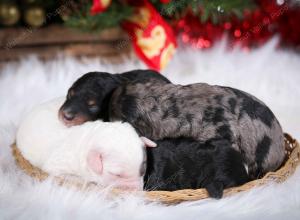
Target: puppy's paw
(215,189)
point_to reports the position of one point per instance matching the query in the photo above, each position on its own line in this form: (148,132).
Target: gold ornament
(152,45)
(9,14)
(35,16)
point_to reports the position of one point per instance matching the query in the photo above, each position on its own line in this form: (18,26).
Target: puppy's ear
(148,142)
(94,161)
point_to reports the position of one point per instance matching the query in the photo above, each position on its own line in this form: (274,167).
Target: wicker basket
(171,197)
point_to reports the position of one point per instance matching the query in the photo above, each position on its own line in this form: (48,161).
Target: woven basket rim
(172,197)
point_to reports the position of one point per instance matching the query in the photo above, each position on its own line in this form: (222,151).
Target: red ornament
(288,27)
(253,30)
(165,1)
(258,26)
(153,39)
(199,35)
(99,6)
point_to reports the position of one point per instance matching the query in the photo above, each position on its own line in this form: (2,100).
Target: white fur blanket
(273,76)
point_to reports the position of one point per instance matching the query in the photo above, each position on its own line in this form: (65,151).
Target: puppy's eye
(94,109)
(92,105)
(91,102)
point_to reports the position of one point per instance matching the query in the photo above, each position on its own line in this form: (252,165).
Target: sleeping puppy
(203,112)
(88,97)
(184,163)
(108,153)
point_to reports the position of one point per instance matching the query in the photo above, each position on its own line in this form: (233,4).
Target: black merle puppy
(203,112)
(184,163)
(89,96)
(176,163)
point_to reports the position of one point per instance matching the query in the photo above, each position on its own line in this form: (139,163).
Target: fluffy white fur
(105,152)
(271,75)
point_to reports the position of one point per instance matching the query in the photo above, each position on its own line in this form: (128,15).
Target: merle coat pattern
(203,112)
(97,87)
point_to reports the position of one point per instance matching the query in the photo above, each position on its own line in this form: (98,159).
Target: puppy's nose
(68,115)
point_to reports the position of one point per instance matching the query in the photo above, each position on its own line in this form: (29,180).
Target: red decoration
(153,39)
(199,35)
(256,28)
(288,27)
(99,6)
(165,1)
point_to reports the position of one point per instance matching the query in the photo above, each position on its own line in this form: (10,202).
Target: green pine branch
(215,10)
(118,11)
(112,17)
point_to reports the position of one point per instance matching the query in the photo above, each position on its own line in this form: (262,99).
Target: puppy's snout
(68,115)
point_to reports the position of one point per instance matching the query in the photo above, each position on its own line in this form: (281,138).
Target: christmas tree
(116,11)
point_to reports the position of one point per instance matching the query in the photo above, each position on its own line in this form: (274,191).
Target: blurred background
(252,45)
(111,27)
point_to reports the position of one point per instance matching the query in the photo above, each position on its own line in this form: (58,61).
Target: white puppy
(103,152)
